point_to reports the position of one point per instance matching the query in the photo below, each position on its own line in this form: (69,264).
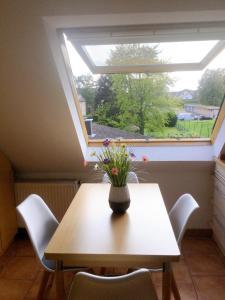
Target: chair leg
(174,287)
(43,285)
(51,279)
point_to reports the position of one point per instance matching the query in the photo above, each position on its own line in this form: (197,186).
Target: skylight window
(178,49)
(174,52)
(148,83)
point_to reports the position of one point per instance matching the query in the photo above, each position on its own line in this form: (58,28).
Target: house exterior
(204,110)
(185,94)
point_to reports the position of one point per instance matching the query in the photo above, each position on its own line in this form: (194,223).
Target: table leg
(60,291)
(166,285)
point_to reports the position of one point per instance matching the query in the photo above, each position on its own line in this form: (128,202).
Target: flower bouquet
(115,160)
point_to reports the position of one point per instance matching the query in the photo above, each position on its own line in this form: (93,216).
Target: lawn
(186,129)
(196,128)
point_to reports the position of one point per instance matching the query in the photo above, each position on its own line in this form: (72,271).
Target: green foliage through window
(144,104)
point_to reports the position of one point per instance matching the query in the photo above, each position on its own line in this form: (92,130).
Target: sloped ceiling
(36,129)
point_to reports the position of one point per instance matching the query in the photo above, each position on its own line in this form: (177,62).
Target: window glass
(149,105)
(173,52)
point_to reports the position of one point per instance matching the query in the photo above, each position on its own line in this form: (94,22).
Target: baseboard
(201,233)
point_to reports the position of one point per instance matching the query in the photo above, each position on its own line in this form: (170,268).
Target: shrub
(171,119)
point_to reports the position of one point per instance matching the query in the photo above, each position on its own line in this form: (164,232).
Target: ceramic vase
(119,199)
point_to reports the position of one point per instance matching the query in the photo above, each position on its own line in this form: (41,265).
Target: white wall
(36,129)
(174,179)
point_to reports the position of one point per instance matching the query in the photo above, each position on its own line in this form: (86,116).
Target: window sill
(157,142)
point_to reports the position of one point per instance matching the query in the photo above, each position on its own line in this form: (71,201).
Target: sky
(174,52)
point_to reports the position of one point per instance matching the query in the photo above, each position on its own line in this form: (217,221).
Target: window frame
(143,34)
(139,142)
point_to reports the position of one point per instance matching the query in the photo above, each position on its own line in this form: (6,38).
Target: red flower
(114,171)
(145,158)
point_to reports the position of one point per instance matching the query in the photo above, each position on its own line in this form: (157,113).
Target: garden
(144,103)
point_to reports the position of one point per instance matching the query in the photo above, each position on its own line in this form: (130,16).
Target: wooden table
(90,235)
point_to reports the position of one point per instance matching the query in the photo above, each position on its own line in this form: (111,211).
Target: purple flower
(132,155)
(106,161)
(106,142)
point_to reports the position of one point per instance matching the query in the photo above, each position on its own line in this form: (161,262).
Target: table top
(90,235)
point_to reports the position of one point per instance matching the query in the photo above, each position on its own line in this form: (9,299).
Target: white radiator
(57,195)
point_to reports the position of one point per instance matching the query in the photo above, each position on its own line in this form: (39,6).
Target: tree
(104,92)
(106,108)
(133,54)
(86,87)
(211,88)
(142,98)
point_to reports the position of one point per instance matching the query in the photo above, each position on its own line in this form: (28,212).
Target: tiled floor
(200,274)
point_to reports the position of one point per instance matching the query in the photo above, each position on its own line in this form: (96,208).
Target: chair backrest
(131,178)
(40,223)
(137,285)
(180,214)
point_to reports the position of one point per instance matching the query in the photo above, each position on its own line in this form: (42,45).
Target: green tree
(142,98)
(104,91)
(211,88)
(86,87)
(133,54)
(106,108)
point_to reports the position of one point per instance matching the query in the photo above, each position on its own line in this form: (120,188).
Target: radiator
(57,195)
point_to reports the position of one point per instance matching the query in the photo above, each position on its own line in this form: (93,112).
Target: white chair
(179,216)
(181,213)
(137,285)
(131,178)
(41,225)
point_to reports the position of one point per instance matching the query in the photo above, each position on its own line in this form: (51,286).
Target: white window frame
(147,34)
(165,151)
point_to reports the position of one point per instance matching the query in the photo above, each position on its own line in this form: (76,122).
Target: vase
(119,199)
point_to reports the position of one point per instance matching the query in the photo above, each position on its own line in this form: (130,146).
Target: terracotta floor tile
(24,248)
(33,291)
(3,261)
(20,247)
(11,251)
(200,264)
(181,272)
(25,268)
(158,288)
(157,278)
(13,289)
(210,287)
(51,291)
(187,291)
(199,246)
